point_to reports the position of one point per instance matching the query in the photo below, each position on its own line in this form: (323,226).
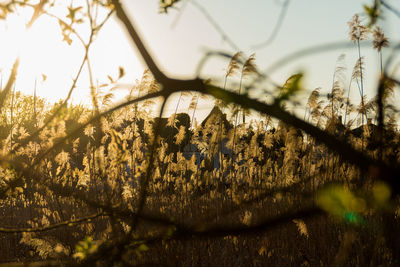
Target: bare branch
(391,8)
(52,226)
(277,27)
(218,28)
(388,173)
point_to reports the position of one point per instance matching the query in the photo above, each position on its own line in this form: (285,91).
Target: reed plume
(233,66)
(338,77)
(380,41)
(358,32)
(249,67)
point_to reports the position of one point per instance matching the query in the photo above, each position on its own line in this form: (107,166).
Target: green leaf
(292,86)
(84,248)
(373,12)
(340,202)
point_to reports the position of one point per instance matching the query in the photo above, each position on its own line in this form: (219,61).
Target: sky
(179,40)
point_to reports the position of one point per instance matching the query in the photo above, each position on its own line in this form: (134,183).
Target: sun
(39,48)
(43,50)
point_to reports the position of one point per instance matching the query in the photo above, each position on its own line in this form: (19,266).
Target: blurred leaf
(339,201)
(65,31)
(373,12)
(143,247)
(291,87)
(353,217)
(121,72)
(165,5)
(381,193)
(84,248)
(110,78)
(72,11)
(170,231)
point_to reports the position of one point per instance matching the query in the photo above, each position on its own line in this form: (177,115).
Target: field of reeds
(221,176)
(251,185)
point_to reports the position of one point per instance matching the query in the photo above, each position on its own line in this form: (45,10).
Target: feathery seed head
(380,40)
(358,32)
(249,66)
(358,68)
(233,66)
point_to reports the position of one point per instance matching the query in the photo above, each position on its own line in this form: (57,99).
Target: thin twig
(343,148)
(391,8)
(216,26)
(277,27)
(52,226)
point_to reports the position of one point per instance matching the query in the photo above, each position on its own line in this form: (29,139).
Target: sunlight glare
(41,51)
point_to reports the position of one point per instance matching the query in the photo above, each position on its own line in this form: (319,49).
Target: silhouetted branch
(210,19)
(247,203)
(150,161)
(322,48)
(11,80)
(93,120)
(238,229)
(391,8)
(16,182)
(277,27)
(344,149)
(148,59)
(87,45)
(178,16)
(183,232)
(52,226)
(209,54)
(120,246)
(114,249)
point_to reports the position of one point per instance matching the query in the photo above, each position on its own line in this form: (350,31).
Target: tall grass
(274,171)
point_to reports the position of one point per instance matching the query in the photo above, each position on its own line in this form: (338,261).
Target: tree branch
(52,226)
(277,27)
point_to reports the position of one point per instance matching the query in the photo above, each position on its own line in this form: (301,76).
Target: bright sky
(179,43)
